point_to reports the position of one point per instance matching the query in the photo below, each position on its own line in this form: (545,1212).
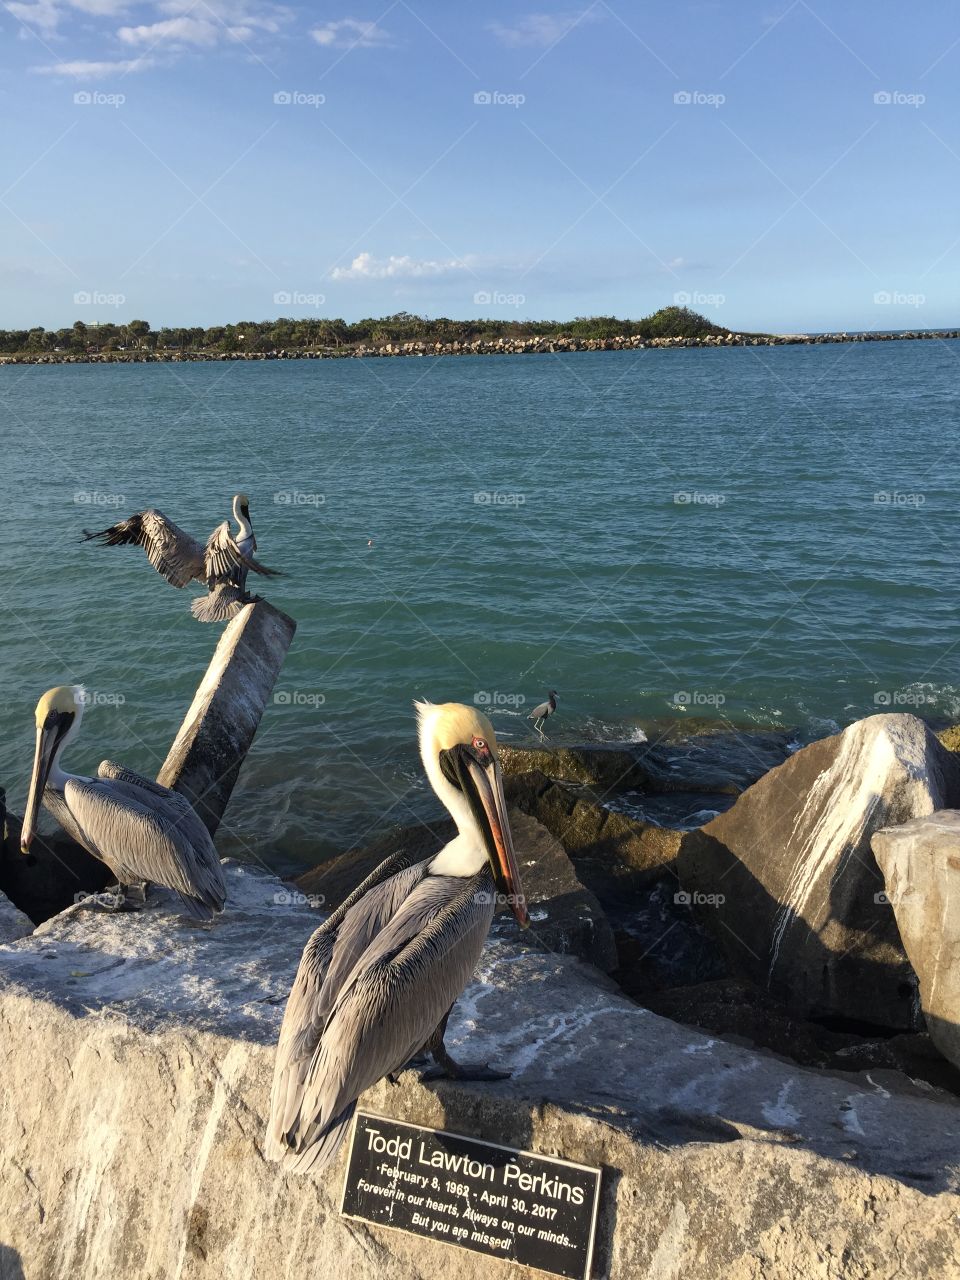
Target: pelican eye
(480,744)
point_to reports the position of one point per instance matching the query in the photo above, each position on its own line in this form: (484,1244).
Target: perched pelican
(540,713)
(139,829)
(378,979)
(222,565)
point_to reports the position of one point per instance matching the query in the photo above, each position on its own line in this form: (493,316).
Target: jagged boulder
(724,763)
(920,862)
(787,882)
(613,853)
(138,1053)
(13,923)
(564,915)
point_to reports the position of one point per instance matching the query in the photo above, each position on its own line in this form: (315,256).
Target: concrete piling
(219,727)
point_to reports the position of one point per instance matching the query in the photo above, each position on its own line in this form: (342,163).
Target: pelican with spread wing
(142,831)
(378,979)
(221,565)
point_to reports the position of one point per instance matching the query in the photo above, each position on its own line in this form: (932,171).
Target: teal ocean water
(768,536)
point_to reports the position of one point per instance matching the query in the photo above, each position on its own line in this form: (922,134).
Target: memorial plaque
(496,1200)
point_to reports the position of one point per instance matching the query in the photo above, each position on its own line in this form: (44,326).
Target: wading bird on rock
(221,565)
(539,714)
(378,979)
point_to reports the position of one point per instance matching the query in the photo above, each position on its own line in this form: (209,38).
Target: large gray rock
(13,923)
(787,882)
(920,862)
(724,762)
(137,1056)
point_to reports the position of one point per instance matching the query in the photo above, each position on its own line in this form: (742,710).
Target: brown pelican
(139,829)
(540,713)
(378,979)
(222,565)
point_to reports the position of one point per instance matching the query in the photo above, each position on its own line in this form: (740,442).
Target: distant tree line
(314,334)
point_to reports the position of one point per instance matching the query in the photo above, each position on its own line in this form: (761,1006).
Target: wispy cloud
(351,33)
(175,31)
(366,267)
(539,30)
(94,70)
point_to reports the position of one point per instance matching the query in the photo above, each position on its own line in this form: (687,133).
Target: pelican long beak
(487,782)
(47,738)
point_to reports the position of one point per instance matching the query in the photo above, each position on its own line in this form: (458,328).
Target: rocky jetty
(137,1063)
(498,347)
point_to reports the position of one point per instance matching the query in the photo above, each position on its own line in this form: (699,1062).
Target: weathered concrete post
(207,753)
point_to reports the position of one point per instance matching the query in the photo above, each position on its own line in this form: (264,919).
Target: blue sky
(783,165)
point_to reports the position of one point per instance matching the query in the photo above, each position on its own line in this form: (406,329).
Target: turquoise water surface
(770,534)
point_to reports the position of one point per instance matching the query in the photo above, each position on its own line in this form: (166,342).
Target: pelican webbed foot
(447,1066)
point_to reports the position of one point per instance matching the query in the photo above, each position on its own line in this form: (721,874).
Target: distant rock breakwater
(498,347)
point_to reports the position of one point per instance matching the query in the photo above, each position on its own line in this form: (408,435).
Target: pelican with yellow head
(142,831)
(378,979)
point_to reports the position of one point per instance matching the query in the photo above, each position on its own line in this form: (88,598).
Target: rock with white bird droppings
(138,1053)
(787,882)
(920,862)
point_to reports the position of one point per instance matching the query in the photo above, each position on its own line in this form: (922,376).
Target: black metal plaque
(496,1200)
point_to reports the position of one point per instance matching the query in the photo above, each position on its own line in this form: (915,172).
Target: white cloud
(196,31)
(44,14)
(366,267)
(350,33)
(94,70)
(539,29)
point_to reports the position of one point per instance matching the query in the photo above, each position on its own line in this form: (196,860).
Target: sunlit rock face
(787,882)
(920,862)
(138,1052)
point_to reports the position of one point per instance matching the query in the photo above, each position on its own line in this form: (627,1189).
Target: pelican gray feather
(140,829)
(377,980)
(221,564)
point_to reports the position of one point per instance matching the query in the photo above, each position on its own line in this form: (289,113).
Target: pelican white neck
(466,853)
(246,528)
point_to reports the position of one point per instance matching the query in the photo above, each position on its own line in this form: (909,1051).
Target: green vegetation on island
(252,336)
